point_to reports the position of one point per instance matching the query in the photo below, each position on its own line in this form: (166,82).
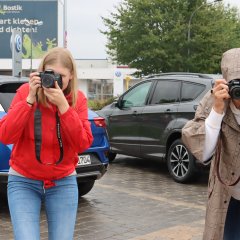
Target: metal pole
(64,4)
(189,24)
(65,23)
(31,48)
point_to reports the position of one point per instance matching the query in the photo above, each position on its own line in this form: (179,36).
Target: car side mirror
(119,103)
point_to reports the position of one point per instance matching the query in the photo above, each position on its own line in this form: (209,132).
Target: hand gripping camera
(48,78)
(234,88)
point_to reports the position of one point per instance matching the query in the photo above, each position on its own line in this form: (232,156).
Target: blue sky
(83,24)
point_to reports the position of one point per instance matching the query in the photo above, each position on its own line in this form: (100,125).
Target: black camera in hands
(48,78)
(234,88)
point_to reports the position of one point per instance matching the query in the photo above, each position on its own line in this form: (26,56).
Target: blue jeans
(25,197)
(232,223)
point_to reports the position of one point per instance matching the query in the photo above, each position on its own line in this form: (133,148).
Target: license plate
(84,160)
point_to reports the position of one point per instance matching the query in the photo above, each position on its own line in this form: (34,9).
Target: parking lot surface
(135,200)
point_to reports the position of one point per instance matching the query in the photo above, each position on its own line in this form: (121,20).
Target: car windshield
(1,108)
(5,100)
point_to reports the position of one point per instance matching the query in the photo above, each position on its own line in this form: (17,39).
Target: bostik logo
(10,8)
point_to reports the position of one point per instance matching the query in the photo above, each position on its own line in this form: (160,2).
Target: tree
(151,35)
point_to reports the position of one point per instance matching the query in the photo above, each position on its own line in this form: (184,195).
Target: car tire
(111,156)
(181,163)
(85,187)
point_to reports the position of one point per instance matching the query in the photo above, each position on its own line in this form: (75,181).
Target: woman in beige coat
(214,136)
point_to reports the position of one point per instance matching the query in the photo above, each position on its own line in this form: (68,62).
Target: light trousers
(25,197)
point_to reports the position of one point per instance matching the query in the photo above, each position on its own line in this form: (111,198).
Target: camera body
(48,78)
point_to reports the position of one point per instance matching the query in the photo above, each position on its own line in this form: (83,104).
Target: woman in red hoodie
(48,124)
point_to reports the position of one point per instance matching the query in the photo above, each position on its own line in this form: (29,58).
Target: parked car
(92,163)
(146,121)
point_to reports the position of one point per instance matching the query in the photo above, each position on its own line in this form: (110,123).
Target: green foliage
(99,104)
(152,35)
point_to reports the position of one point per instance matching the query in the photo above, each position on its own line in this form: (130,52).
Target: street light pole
(189,24)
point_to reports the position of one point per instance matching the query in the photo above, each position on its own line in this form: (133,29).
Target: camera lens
(48,81)
(235,92)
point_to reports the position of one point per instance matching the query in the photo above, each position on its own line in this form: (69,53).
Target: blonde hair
(63,57)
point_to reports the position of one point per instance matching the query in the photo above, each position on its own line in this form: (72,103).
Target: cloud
(83,24)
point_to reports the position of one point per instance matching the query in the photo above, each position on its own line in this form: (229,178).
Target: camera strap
(59,139)
(38,132)
(38,135)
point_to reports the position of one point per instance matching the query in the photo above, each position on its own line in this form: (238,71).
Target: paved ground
(135,200)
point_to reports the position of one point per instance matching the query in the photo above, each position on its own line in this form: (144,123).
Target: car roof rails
(200,75)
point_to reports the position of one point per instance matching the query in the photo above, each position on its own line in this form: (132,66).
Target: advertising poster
(36,20)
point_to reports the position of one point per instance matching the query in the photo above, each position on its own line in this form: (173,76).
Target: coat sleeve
(12,124)
(193,133)
(76,126)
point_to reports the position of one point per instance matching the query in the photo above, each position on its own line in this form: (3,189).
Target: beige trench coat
(193,135)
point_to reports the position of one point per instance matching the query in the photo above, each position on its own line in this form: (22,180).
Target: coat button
(225,201)
(233,173)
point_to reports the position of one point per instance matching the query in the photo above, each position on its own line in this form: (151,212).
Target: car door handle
(195,107)
(168,110)
(135,113)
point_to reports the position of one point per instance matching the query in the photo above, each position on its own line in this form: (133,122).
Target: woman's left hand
(56,97)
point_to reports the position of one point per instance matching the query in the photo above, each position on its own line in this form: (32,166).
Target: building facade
(99,79)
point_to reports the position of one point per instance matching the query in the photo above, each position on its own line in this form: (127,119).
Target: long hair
(63,57)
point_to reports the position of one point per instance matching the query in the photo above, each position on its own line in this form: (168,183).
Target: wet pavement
(135,200)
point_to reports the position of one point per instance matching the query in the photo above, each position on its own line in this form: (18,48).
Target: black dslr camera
(48,78)
(234,88)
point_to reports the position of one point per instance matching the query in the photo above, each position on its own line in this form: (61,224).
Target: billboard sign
(36,20)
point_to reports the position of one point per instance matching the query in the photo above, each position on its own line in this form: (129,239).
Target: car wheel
(85,187)
(180,162)
(111,156)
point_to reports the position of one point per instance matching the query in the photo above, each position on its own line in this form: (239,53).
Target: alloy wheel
(179,160)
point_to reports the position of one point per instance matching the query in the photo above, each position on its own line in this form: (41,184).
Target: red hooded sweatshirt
(17,127)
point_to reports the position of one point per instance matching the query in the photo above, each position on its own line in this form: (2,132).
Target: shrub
(99,104)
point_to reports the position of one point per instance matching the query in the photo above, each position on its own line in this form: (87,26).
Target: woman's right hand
(220,92)
(34,84)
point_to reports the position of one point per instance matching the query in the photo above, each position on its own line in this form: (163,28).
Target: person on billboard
(214,136)
(48,124)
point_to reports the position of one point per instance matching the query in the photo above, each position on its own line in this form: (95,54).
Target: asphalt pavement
(135,200)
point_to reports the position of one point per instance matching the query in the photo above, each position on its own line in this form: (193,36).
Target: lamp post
(190,20)
(31,24)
